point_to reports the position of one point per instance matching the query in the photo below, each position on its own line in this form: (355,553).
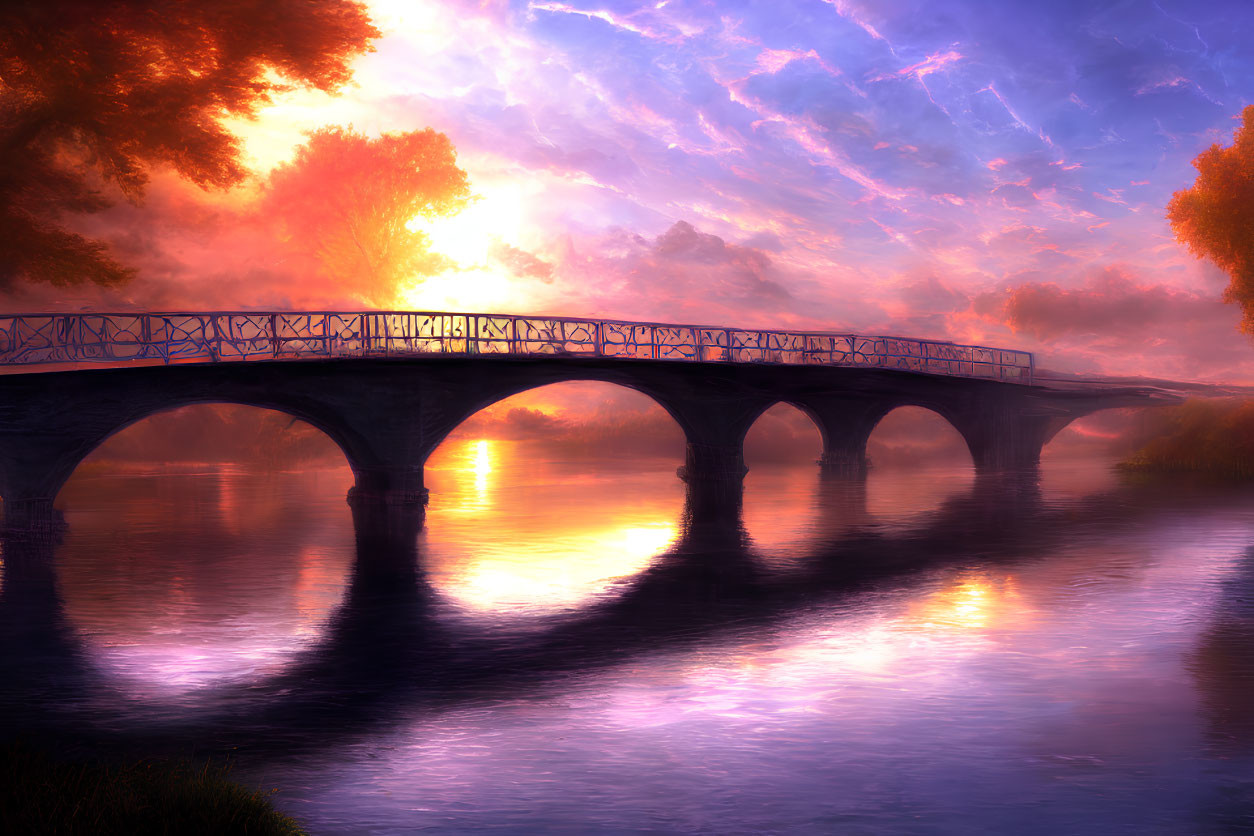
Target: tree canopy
(1215,218)
(95,92)
(347,200)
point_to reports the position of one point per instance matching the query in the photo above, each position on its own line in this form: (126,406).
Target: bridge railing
(238,336)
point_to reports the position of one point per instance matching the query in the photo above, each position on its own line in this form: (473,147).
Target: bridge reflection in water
(171,587)
(888,640)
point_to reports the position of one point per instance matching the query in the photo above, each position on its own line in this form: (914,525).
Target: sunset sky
(986,172)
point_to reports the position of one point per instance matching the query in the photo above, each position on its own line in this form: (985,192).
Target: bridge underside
(389,415)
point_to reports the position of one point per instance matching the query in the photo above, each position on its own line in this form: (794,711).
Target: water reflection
(1019,656)
(193,578)
(38,646)
(1223,662)
(538,552)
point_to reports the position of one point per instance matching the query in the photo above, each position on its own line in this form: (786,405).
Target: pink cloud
(627,23)
(934,63)
(854,16)
(774,60)
(520,262)
(1162,84)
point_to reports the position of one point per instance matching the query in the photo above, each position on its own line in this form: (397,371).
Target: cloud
(520,262)
(595,419)
(1113,320)
(687,161)
(932,64)
(516,423)
(682,273)
(932,295)
(1110,304)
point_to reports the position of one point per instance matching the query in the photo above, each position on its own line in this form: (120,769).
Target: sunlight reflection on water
(560,532)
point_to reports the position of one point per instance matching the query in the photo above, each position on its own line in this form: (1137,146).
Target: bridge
(388,387)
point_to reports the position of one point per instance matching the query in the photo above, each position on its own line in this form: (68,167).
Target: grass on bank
(39,794)
(1214,437)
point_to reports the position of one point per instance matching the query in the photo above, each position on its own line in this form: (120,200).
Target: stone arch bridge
(388,387)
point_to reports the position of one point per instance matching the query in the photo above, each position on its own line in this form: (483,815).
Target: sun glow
(475,240)
(482,241)
(495,216)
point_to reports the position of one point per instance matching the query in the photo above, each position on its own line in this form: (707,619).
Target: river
(557,652)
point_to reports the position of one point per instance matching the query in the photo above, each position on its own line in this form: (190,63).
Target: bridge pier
(33,517)
(1004,431)
(36,458)
(845,423)
(385,487)
(715,416)
(715,477)
(386,520)
(386,534)
(385,435)
(1008,438)
(387,428)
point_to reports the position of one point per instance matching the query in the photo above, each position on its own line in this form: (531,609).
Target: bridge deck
(231,336)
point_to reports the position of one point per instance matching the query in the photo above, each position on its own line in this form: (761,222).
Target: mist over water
(559,651)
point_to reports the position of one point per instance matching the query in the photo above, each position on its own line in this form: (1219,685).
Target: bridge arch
(784,432)
(503,390)
(200,431)
(613,449)
(931,427)
(82,447)
(388,412)
(528,419)
(35,467)
(782,486)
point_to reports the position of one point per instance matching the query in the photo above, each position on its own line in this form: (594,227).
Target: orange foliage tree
(346,200)
(1215,218)
(94,92)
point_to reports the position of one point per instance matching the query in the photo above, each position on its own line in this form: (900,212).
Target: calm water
(927,653)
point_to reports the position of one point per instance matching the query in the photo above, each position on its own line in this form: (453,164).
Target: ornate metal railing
(234,336)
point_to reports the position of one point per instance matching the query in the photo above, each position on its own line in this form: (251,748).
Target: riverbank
(1214,437)
(41,794)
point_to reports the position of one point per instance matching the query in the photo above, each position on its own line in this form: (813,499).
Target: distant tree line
(1214,436)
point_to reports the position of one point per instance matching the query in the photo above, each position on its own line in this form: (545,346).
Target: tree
(95,92)
(1215,218)
(346,199)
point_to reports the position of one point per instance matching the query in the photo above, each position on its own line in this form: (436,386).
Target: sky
(985,172)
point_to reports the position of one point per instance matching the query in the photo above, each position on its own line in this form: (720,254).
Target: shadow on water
(389,650)
(41,657)
(1222,665)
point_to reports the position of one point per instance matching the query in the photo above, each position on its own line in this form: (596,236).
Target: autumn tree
(1215,218)
(95,92)
(347,200)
